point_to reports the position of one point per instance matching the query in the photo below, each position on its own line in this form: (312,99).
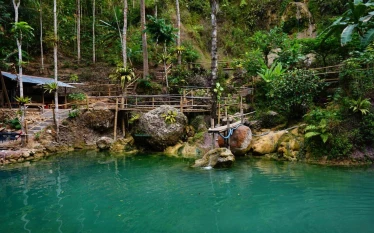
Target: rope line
(231,131)
(293,127)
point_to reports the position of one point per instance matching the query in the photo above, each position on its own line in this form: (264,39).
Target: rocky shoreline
(88,132)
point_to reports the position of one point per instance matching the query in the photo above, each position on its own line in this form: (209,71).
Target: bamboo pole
(115,121)
(228,132)
(212,126)
(241,110)
(219,113)
(27,133)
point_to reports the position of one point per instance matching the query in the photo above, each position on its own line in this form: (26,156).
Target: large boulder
(240,141)
(216,158)
(161,131)
(100,120)
(104,143)
(267,143)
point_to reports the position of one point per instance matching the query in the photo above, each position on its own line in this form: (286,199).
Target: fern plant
(360,105)
(318,130)
(170,116)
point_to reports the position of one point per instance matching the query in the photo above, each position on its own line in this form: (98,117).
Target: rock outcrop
(99,120)
(104,143)
(161,131)
(267,144)
(240,141)
(216,158)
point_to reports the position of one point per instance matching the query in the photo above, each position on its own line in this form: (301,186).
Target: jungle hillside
(308,62)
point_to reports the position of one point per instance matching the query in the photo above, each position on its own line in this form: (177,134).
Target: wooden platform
(223,128)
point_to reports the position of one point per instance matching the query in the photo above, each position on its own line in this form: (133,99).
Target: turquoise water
(94,192)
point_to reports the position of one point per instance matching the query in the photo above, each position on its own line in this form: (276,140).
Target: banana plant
(357,19)
(269,74)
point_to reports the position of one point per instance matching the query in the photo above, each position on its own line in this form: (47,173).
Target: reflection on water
(97,192)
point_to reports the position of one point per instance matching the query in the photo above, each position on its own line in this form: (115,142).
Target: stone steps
(48,116)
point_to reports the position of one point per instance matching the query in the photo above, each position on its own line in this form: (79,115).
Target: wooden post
(27,133)
(181,104)
(153,101)
(109,91)
(123,126)
(66,98)
(219,113)
(212,127)
(227,117)
(241,110)
(228,132)
(43,95)
(115,121)
(87,102)
(192,100)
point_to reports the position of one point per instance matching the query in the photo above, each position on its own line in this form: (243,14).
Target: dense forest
(278,46)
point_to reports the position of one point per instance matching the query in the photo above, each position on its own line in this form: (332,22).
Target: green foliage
(160,30)
(134,118)
(356,76)
(267,41)
(14,123)
(218,90)
(22,29)
(318,130)
(78,96)
(124,75)
(253,62)
(357,19)
(190,54)
(293,93)
(170,116)
(73,78)
(275,71)
(360,105)
(291,53)
(74,113)
(147,86)
(23,100)
(50,87)
(37,136)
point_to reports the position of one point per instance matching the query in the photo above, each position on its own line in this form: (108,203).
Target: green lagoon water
(94,192)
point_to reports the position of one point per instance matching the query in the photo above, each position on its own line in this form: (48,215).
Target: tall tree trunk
(144,39)
(41,39)
(124,34)
(156,9)
(55,66)
(124,57)
(179,32)
(214,65)
(16,5)
(79,30)
(93,31)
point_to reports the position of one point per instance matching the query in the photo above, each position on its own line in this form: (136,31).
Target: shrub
(293,93)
